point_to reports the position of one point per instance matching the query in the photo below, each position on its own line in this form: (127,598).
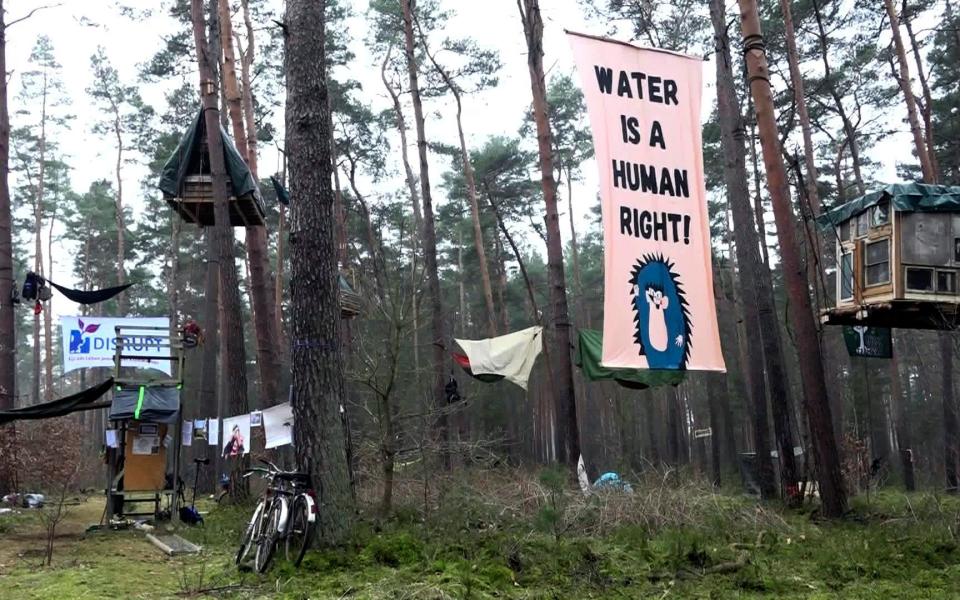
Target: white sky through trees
(77,27)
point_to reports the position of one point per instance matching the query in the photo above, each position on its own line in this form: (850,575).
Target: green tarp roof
(588,359)
(186,160)
(905,197)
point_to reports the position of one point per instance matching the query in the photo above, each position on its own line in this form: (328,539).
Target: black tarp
(57,408)
(283,196)
(145,403)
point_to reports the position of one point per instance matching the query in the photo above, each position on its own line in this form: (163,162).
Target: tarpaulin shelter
(188,187)
(589,348)
(511,355)
(898,258)
(83,400)
(145,403)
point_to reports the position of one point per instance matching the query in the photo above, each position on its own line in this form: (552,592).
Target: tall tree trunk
(826,453)
(898,401)
(848,128)
(38,245)
(575,255)
(429,237)
(929,176)
(799,97)
(318,393)
(258,259)
(211,400)
(123,298)
(48,318)
(747,250)
(468,175)
(401,122)
(927,107)
(904,80)
(559,341)
(8,344)
(951,443)
(233,369)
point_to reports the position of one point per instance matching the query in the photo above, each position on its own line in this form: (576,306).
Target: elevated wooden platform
(195,204)
(897,314)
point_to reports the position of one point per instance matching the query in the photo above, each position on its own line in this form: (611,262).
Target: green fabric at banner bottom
(589,350)
(868,342)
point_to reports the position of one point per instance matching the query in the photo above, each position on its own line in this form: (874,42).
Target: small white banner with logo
(91,342)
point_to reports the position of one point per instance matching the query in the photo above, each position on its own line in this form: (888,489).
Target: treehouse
(188,187)
(898,256)
(350,302)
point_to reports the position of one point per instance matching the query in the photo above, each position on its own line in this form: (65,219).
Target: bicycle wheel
(299,531)
(267,540)
(251,533)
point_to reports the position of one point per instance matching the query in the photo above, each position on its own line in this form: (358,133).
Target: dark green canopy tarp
(588,359)
(186,159)
(905,197)
(145,403)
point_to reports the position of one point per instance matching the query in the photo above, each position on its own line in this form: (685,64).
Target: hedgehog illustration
(661,315)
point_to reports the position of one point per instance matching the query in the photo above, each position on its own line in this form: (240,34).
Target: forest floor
(510,534)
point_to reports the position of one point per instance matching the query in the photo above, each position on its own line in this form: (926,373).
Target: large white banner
(91,342)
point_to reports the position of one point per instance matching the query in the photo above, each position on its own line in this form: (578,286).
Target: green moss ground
(895,546)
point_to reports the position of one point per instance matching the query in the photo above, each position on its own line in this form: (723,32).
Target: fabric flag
(186,433)
(644,109)
(588,359)
(510,355)
(868,342)
(213,431)
(278,425)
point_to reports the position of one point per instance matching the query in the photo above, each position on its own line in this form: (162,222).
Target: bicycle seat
(297,479)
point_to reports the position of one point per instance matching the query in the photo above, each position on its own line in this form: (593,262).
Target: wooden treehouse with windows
(187,184)
(898,258)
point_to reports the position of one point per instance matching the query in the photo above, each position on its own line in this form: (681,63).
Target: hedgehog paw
(679,341)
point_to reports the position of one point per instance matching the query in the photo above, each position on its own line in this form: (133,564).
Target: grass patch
(485,537)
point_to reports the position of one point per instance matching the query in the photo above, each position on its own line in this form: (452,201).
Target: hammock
(464,362)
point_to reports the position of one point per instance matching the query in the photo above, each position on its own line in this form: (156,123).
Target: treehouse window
(846,276)
(919,280)
(877,263)
(863,222)
(880,215)
(845,233)
(946,282)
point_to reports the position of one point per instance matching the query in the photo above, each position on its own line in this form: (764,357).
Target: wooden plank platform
(173,544)
(897,314)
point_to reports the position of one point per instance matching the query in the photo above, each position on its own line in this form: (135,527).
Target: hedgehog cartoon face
(661,317)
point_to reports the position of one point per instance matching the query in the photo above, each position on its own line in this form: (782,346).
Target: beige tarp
(510,355)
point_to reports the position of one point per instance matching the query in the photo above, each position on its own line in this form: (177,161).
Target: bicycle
(285,512)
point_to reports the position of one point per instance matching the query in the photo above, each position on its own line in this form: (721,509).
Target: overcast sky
(77,27)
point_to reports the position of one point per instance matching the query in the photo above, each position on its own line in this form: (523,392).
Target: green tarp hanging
(188,154)
(905,197)
(588,359)
(868,342)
